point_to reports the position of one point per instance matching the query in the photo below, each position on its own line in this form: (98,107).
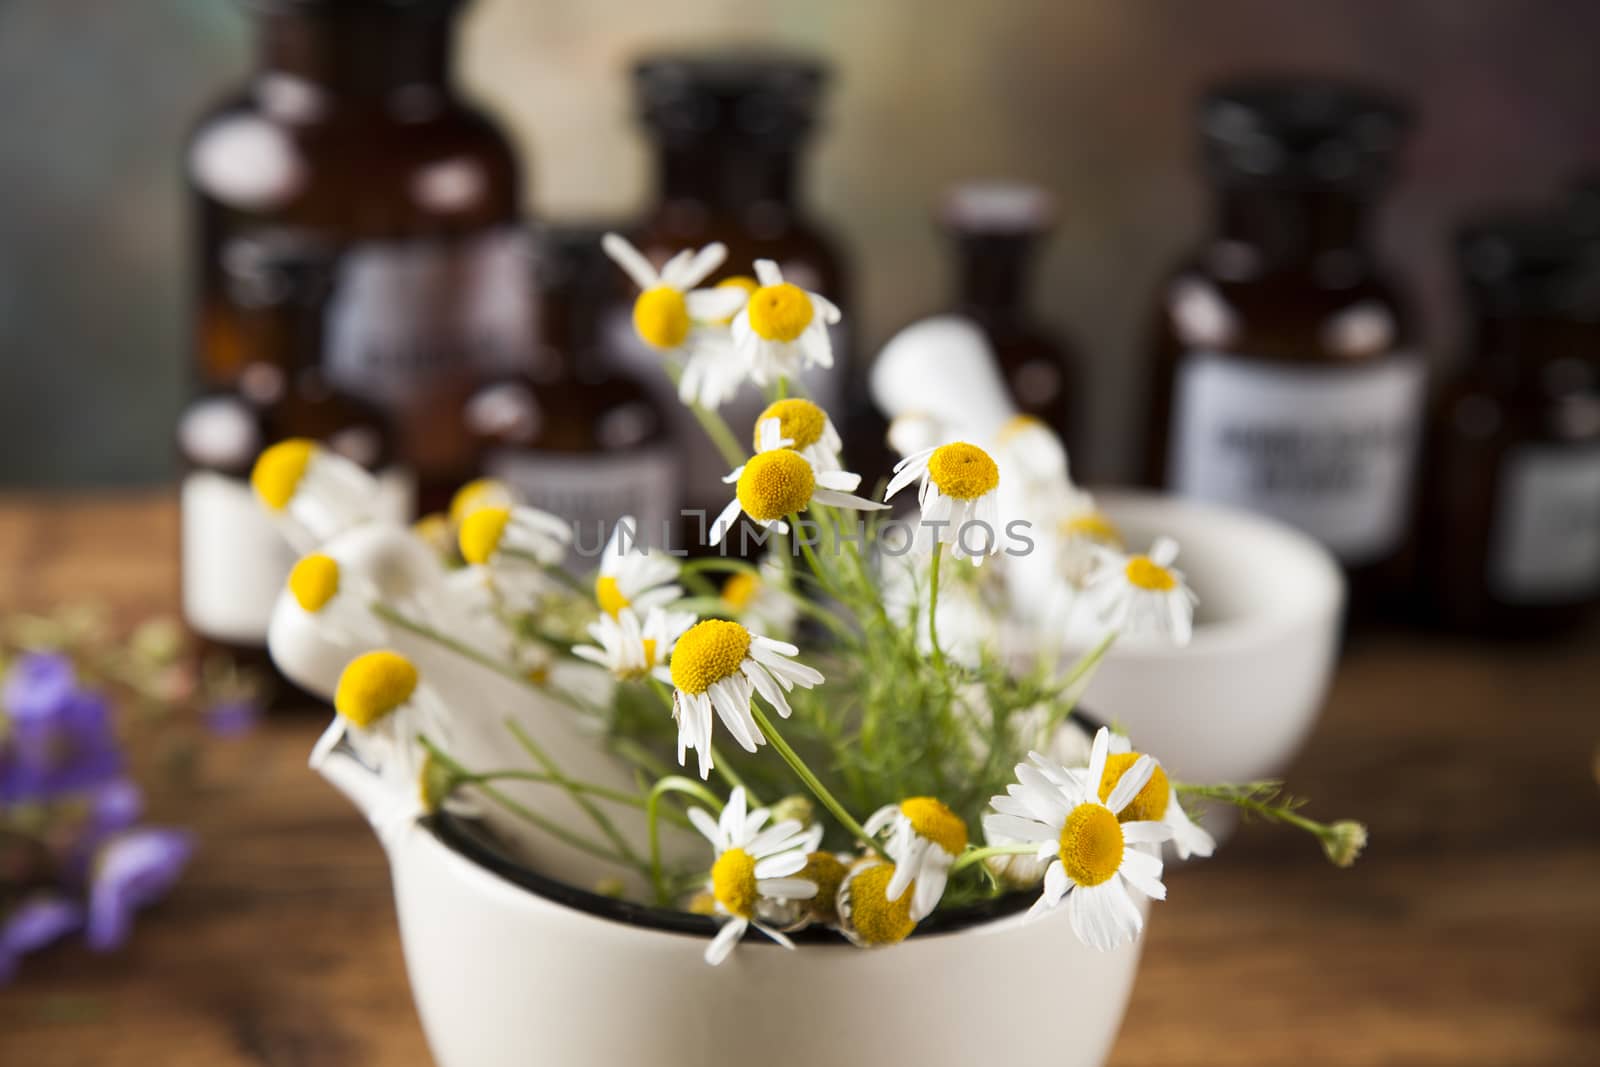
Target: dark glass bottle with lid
(1285,377)
(1510,522)
(728,132)
(351,135)
(575,436)
(234,561)
(997,229)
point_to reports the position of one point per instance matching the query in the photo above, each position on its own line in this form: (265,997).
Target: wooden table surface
(1468,935)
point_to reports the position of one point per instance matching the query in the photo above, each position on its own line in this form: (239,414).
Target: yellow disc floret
(780,312)
(373,685)
(1146,573)
(1093,526)
(1091,844)
(1017,425)
(733,882)
(963,471)
(661,317)
(481,492)
(827,871)
(873,917)
(799,420)
(739,590)
(775,484)
(931,819)
(481,532)
(739,281)
(279,469)
(1150,803)
(608,594)
(314,581)
(708,652)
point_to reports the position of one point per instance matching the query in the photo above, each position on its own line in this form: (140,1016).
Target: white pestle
(943,368)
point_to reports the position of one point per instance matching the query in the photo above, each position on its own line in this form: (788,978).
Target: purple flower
(231,718)
(59,745)
(32,925)
(133,872)
(38,685)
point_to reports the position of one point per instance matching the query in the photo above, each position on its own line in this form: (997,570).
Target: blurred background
(1093,101)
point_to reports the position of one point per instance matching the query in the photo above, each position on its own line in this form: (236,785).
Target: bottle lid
(1531,264)
(766,98)
(997,209)
(1301,132)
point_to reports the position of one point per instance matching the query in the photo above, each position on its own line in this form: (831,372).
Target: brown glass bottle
(234,561)
(574,436)
(729,131)
(350,135)
(1285,378)
(1510,521)
(997,229)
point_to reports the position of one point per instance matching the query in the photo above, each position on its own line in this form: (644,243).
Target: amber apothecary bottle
(1286,378)
(234,561)
(1510,523)
(350,134)
(729,133)
(575,436)
(997,229)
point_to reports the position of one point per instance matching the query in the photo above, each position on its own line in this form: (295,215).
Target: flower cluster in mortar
(841,722)
(83,711)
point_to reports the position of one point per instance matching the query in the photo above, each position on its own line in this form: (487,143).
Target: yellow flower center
(1146,573)
(738,281)
(963,471)
(434,530)
(649,644)
(733,882)
(481,531)
(314,581)
(739,590)
(775,484)
(1150,803)
(538,675)
(826,870)
(1092,527)
(373,685)
(1091,844)
(931,819)
(476,494)
(707,653)
(875,918)
(1017,425)
(661,316)
(609,595)
(799,420)
(780,312)
(279,469)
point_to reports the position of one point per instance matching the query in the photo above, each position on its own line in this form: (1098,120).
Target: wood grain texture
(1469,934)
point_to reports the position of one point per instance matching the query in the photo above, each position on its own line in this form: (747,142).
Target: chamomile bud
(1344,842)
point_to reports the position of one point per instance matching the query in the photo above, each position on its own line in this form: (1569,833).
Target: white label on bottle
(1545,546)
(234,559)
(1330,450)
(593,490)
(405,312)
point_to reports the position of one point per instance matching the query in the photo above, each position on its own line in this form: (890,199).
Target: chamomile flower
(1032,451)
(1143,595)
(808,427)
(914,432)
(715,371)
(314,492)
(718,666)
(479,493)
(957,495)
(1157,801)
(1082,532)
(329,597)
(494,533)
(755,876)
(778,482)
(669,309)
(632,576)
(1092,864)
(925,837)
(783,329)
(761,599)
(630,649)
(868,915)
(381,711)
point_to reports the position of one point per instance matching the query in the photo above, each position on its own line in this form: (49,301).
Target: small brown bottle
(234,560)
(997,228)
(729,130)
(351,135)
(575,437)
(1285,377)
(1510,523)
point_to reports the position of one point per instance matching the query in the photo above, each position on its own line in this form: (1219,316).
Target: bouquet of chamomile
(812,721)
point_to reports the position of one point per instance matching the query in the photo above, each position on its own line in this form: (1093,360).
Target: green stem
(715,426)
(1245,801)
(1080,671)
(615,796)
(598,817)
(652,810)
(933,607)
(720,765)
(811,781)
(978,855)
